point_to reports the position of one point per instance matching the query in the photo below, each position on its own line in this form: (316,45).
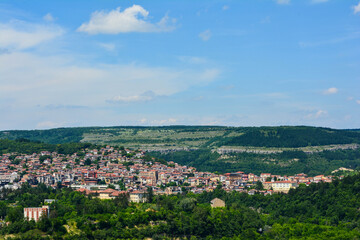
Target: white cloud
(156,121)
(170,120)
(358,101)
(132,19)
(356,8)
(282,2)
(225,7)
(205,35)
(320,113)
(144,97)
(18,35)
(62,80)
(48,125)
(208,74)
(107,46)
(48,17)
(331,90)
(317,114)
(275,95)
(265,20)
(349,37)
(162,122)
(347,117)
(319,1)
(192,59)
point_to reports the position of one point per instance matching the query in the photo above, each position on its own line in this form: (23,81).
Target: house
(283,186)
(216,202)
(137,196)
(280,186)
(49,201)
(36,212)
(264,176)
(109,193)
(267,185)
(106,194)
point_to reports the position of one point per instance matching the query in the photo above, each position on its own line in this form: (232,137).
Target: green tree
(87,162)
(150,195)
(259,186)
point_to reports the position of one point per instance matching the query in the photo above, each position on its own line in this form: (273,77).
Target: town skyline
(95,170)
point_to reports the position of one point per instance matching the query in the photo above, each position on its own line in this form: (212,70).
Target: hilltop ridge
(191,137)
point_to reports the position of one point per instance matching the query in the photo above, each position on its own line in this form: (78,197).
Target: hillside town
(109,172)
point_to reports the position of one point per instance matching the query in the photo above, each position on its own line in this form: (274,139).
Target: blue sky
(233,63)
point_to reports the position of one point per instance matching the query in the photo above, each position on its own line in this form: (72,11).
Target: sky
(180,62)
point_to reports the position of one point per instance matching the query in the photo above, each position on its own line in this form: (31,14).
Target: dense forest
(319,211)
(284,163)
(28,147)
(292,137)
(53,136)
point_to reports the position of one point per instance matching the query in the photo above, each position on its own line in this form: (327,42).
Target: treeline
(91,218)
(292,137)
(28,147)
(53,136)
(285,163)
(320,211)
(76,134)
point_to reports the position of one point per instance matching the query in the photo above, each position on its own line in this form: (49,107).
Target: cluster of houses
(108,172)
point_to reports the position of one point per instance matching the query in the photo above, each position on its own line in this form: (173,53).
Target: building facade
(36,212)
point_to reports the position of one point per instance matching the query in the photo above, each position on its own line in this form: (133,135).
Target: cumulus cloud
(205,35)
(331,90)
(18,35)
(356,8)
(132,19)
(282,2)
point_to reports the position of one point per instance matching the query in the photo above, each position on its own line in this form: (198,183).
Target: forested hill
(292,137)
(29,147)
(192,137)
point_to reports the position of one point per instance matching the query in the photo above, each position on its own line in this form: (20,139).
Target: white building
(36,213)
(137,196)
